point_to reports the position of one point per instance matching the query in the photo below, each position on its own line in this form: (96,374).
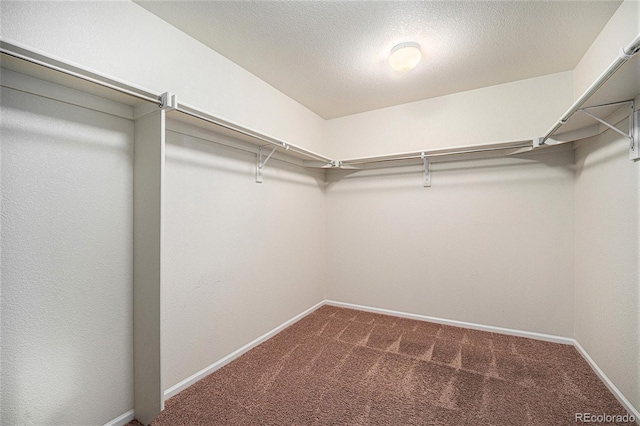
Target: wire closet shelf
(316,160)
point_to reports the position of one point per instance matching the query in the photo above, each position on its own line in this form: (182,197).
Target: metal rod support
(266,160)
(612,127)
(261,163)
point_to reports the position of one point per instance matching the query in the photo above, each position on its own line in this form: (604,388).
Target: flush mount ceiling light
(405,56)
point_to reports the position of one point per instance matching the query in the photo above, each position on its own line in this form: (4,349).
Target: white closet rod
(201,115)
(25,54)
(468,149)
(625,54)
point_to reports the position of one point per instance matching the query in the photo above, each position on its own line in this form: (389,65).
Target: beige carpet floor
(346,367)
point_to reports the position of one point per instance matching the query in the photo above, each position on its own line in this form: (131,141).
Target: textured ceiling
(331,56)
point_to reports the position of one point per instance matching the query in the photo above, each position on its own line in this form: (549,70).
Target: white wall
(607,245)
(123,40)
(491,241)
(512,111)
(66,262)
(241,258)
(607,233)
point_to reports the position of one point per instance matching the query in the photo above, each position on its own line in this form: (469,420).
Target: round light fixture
(405,56)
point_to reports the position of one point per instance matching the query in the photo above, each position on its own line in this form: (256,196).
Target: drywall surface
(512,111)
(241,258)
(607,244)
(67,175)
(123,40)
(623,27)
(490,242)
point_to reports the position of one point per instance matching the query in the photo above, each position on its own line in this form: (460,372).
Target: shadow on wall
(192,151)
(36,124)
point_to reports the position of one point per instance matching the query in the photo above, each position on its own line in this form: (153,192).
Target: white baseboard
(474,326)
(173,390)
(614,390)
(122,419)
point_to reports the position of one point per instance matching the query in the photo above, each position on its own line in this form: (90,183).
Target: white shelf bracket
(633,135)
(426,180)
(609,125)
(262,163)
(168,101)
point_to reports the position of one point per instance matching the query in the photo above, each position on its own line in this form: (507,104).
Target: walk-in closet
(314,213)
